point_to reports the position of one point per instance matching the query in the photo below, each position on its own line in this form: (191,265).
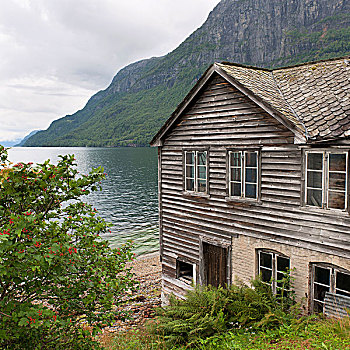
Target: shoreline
(141,304)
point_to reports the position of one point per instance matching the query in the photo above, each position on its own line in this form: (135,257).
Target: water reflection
(129,196)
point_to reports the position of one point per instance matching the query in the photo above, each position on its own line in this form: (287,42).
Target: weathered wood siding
(220,119)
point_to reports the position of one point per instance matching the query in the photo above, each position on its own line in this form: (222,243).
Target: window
(326,177)
(328,279)
(196,171)
(185,271)
(272,267)
(243,174)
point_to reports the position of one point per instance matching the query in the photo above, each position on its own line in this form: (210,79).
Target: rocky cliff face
(265,33)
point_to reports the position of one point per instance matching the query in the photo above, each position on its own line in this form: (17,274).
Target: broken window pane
(314,198)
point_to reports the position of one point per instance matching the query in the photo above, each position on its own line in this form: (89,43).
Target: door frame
(219,243)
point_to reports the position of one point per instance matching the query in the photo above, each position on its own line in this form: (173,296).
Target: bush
(207,311)
(58,278)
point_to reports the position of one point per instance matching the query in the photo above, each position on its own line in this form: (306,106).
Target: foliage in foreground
(209,311)
(58,278)
(313,333)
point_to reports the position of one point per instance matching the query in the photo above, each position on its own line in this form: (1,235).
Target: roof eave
(157,139)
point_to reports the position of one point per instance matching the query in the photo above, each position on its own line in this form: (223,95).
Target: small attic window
(185,271)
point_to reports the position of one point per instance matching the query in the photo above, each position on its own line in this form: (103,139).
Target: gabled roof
(311,99)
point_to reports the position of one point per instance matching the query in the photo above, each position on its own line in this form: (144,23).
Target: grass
(311,333)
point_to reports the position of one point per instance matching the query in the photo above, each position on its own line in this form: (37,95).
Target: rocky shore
(142,304)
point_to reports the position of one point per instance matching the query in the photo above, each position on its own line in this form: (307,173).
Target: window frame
(325,179)
(274,269)
(195,192)
(333,272)
(243,182)
(194,271)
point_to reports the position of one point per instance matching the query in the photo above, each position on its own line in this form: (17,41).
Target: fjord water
(129,194)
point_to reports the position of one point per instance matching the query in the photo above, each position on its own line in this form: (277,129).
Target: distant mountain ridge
(269,33)
(22,142)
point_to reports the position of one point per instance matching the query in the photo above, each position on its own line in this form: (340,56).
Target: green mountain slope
(266,33)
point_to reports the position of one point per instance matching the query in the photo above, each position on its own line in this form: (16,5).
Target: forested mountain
(265,33)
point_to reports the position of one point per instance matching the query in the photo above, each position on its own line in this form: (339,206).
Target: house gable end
(213,72)
(221,113)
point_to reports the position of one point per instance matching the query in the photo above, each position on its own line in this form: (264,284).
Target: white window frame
(273,270)
(325,178)
(196,172)
(333,271)
(243,172)
(194,272)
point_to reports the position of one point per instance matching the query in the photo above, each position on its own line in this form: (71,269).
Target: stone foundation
(245,263)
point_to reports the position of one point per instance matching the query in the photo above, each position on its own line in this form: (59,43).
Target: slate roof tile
(315,97)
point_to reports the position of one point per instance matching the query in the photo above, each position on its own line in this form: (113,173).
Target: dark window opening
(328,279)
(272,268)
(184,271)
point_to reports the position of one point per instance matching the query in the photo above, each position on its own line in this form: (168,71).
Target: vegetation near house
(59,280)
(239,318)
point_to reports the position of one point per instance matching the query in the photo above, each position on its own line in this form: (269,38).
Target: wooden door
(215,265)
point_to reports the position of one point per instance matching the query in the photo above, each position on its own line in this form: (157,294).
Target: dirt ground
(147,270)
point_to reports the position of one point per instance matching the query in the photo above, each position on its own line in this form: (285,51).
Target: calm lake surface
(129,197)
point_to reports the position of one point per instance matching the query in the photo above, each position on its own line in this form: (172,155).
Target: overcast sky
(55,54)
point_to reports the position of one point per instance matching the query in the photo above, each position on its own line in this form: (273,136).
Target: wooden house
(254,179)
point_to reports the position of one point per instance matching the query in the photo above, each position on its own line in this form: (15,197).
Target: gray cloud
(55,54)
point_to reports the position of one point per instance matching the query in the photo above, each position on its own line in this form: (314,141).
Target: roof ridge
(226,63)
(307,135)
(284,67)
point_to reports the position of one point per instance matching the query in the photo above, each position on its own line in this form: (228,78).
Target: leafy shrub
(207,311)
(58,278)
